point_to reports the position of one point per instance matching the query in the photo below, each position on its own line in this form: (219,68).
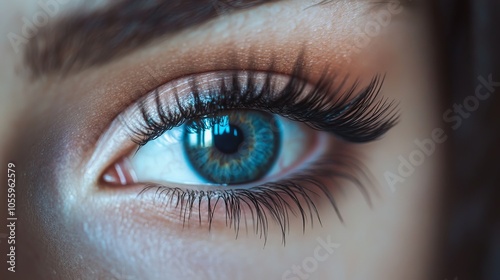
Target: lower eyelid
(297,200)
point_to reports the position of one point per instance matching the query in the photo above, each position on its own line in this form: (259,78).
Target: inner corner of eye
(120,172)
(236,147)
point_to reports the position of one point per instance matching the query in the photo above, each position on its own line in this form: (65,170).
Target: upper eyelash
(361,118)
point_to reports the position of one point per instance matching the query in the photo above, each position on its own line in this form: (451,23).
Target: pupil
(228,138)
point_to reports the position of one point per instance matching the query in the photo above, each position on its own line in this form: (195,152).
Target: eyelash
(358,116)
(357,119)
(295,195)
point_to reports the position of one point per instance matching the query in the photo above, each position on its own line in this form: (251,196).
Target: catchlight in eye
(234,148)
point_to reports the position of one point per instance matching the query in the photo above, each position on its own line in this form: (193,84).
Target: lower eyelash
(297,195)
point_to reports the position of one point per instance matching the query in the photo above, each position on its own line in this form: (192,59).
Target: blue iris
(233,148)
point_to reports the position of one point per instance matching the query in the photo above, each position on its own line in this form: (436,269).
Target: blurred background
(471,44)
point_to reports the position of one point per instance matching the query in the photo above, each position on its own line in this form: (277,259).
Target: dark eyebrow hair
(83,39)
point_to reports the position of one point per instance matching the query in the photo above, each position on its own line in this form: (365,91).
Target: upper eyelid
(127,82)
(352,116)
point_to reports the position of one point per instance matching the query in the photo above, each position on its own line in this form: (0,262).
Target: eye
(237,147)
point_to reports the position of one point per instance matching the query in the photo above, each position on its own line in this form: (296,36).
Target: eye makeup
(353,114)
(341,112)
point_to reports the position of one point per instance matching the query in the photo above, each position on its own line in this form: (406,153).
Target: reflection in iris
(237,147)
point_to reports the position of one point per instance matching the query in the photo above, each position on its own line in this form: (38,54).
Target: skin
(71,227)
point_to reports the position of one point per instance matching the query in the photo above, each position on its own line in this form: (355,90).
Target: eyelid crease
(353,115)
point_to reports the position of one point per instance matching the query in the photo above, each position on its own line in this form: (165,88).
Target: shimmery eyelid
(178,94)
(352,113)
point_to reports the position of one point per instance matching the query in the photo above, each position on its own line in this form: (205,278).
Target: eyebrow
(80,40)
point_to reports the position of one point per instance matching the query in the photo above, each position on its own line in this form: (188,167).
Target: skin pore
(75,227)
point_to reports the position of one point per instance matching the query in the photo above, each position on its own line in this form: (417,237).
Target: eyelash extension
(272,201)
(358,116)
(352,113)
